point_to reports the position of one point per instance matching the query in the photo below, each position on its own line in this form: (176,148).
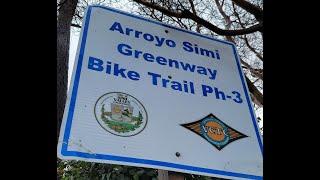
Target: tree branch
(61,3)
(245,38)
(224,15)
(255,72)
(251,8)
(254,28)
(226,18)
(257,97)
(251,48)
(76,14)
(256,94)
(76,25)
(188,15)
(159,8)
(192,7)
(195,13)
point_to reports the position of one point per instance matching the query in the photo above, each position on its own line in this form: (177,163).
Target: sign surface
(148,94)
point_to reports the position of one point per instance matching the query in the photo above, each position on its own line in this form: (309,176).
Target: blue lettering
(118,71)
(123,49)
(187,46)
(116,26)
(170,43)
(219,93)
(154,77)
(133,75)
(238,97)
(206,89)
(159,41)
(161,60)
(148,37)
(201,70)
(188,66)
(148,57)
(95,64)
(213,74)
(175,62)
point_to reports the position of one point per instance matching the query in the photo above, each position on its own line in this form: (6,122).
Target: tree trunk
(176,176)
(163,174)
(166,175)
(66,12)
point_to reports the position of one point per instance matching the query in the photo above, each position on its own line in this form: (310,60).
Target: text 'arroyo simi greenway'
(157,79)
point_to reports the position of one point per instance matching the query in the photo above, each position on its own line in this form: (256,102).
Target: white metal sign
(147,94)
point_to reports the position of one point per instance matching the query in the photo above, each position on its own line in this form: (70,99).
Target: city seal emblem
(120,114)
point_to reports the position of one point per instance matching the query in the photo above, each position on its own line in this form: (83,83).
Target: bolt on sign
(147,94)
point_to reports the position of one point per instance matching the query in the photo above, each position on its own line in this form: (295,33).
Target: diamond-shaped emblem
(213,130)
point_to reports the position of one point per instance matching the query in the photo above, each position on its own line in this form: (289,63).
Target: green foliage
(68,170)
(121,126)
(80,170)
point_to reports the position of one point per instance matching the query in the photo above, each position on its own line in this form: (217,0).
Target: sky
(74,38)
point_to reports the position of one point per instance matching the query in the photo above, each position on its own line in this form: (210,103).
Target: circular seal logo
(215,131)
(120,114)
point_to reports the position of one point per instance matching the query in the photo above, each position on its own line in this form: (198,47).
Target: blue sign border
(64,150)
